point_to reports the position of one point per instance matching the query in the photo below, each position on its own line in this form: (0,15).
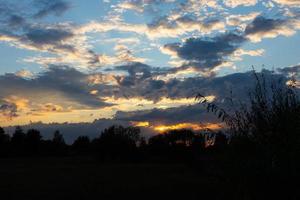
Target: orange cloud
(21,103)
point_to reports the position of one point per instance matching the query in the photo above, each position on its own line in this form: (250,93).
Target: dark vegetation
(257,157)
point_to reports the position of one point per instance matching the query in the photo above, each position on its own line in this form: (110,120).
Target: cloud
(262,27)
(293,73)
(235,3)
(193,6)
(60,88)
(136,73)
(133,96)
(288,2)
(239,20)
(56,7)
(124,54)
(19,28)
(106,26)
(169,27)
(24,73)
(235,87)
(241,52)
(131,6)
(143,5)
(166,26)
(8,110)
(184,114)
(16,20)
(293,70)
(72,44)
(59,40)
(206,53)
(42,36)
(69,88)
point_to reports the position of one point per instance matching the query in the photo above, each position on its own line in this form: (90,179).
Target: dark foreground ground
(82,178)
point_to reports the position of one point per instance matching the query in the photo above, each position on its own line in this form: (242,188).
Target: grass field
(69,178)
(85,178)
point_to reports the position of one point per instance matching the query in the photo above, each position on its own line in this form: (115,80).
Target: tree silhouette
(220,140)
(117,142)
(4,138)
(18,141)
(81,145)
(4,142)
(33,141)
(58,138)
(178,145)
(59,145)
(18,136)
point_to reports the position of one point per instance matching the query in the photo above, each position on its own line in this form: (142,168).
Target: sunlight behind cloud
(195,127)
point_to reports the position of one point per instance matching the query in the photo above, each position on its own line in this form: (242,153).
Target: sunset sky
(140,61)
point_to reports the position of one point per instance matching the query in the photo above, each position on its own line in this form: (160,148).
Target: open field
(85,178)
(66,178)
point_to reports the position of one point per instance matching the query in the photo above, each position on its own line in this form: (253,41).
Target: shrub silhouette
(268,127)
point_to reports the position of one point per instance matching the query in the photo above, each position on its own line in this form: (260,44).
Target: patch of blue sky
(279,52)
(12,59)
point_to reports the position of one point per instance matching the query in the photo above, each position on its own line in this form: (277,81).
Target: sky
(138,61)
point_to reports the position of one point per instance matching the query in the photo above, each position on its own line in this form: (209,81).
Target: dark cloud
(162,21)
(154,89)
(10,18)
(136,73)
(263,27)
(8,110)
(41,36)
(16,20)
(207,53)
(261,24)
(184,114)
(60,85)
(56,7)
(50,39)
(290,70)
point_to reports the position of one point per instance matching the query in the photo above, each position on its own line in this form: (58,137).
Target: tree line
(114,143)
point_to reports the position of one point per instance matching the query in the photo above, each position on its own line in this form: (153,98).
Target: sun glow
(195,127)
(140,124)
(163,128)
